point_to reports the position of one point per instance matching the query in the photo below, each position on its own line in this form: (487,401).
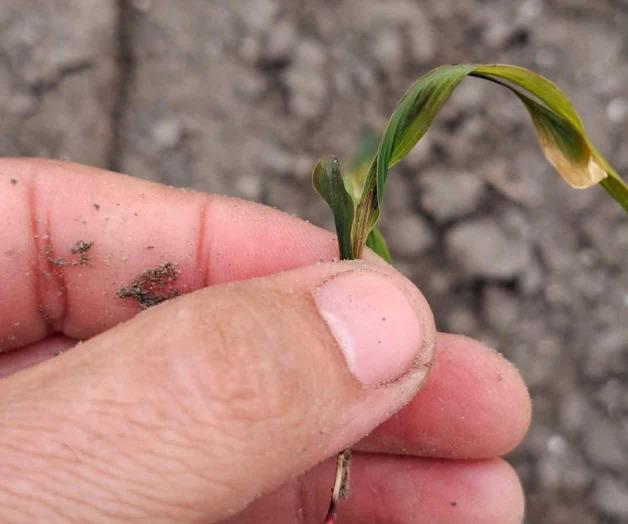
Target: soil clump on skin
(153,286)
(81,246)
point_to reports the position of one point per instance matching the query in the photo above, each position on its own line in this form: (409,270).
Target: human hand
(227,402)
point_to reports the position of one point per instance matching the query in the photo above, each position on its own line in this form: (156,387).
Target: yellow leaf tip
(578,175)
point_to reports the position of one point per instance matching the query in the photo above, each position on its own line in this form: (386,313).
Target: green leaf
(616,187)
(558,127)
(377,243)
(328,182)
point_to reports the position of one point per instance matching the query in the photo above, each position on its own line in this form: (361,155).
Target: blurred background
(242,96)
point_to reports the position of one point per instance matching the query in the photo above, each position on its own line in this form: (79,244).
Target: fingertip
(473,405)
(503,407)
(403,490)
(443,491)
(513,498)
(487,492)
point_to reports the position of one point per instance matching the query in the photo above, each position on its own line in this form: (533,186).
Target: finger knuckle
(239,374)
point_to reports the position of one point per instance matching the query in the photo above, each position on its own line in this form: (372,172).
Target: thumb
(192,409)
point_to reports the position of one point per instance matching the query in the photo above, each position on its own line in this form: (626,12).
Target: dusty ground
(241,97)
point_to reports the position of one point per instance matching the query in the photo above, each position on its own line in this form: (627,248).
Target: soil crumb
(82,261)
(82,246)
(57,262)
(52,260)
(96,207)
(153,286)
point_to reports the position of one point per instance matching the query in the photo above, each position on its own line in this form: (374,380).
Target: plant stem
(366,211)
(341,485)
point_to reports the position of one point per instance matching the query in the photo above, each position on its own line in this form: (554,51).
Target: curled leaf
(328,182)
(559,130)
(558,127)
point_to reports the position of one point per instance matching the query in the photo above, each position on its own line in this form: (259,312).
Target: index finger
(76,239)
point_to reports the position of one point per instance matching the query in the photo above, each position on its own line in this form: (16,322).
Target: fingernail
(378,330)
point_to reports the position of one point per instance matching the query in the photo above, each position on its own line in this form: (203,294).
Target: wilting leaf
(558,127)
(377,243)
(328,182)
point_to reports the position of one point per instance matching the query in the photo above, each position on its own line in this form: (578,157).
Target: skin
(226,403)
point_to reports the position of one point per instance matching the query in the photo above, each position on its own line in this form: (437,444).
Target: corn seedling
(355,197)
